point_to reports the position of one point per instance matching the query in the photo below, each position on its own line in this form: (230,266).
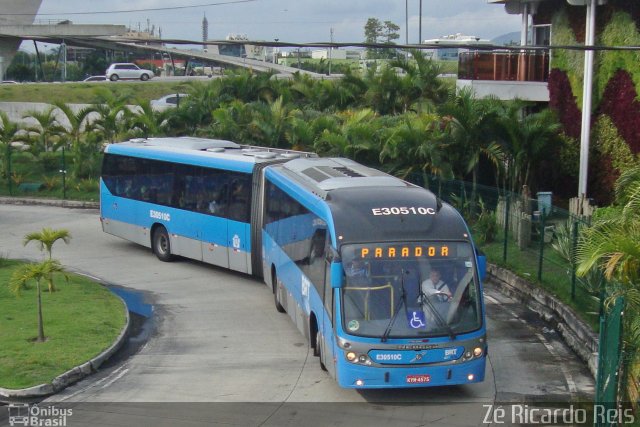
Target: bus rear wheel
(276,295)
(162,244)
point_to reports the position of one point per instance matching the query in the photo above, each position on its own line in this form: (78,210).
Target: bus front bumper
(394,376)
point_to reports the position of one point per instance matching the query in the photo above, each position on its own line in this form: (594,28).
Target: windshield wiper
(426,301)
(403,299)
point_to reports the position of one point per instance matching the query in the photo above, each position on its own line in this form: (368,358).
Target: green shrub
(87,185)
(486,225)
(51,161)
(23,158)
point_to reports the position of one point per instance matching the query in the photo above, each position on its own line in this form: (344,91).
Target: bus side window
(240,199)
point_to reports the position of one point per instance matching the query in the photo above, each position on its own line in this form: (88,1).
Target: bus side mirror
(336,275)
(481,259)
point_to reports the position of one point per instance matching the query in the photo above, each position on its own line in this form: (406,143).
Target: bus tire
(319,350)
(314,338)
(162,244)
(276,295)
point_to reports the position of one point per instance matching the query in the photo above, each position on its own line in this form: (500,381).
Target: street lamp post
(275,52)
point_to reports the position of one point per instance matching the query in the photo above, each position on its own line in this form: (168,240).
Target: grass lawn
(81,319)
(84,93)
(556,275)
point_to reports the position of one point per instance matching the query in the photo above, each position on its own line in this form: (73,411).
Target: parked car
(168,101)
(127,71)
(95,79)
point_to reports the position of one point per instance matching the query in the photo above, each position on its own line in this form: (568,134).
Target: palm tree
(416,144)
(46,129)
(111,109)
(232,122)
(47,237)
(383,90)
(472,124)
(421,87)
(144,121)
(612,246)
(75,134)
(9,132)
(22,276)
(612,243)
(271,123)
(526,140)
(78,121)
(356,135)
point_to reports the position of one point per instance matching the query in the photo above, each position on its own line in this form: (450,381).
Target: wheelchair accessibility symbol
(417,320)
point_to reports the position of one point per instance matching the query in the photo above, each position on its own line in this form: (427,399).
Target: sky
(296,21)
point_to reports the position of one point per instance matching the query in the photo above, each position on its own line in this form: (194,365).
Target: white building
(451,53)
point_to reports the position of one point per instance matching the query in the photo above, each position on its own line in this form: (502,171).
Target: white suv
(127,71)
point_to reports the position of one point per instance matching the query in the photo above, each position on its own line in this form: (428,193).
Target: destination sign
(414,251)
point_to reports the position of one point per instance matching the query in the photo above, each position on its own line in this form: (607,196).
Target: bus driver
(435,286)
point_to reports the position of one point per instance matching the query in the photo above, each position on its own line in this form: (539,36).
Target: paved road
(218,338)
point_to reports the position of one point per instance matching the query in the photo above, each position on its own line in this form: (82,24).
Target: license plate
(418,379)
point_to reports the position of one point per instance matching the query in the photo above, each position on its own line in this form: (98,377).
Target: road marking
(95,384)
(120,375)
(491,299)
(571,385)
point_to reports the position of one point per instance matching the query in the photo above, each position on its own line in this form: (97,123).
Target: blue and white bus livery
(347,250)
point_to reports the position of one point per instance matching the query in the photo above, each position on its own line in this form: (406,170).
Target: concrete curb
(576,333)
(73,204)
(75,374)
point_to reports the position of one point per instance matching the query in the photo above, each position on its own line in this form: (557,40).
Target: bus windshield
(409,290)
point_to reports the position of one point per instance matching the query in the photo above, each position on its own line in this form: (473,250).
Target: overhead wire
(154,9)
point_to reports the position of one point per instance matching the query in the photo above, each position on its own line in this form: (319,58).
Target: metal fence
(534,238)
(528,235)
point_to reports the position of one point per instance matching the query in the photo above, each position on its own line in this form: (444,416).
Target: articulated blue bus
(378,274)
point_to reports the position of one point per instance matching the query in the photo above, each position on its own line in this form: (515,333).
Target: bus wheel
(162,244)
(316,344)
(319,350)
(276,295)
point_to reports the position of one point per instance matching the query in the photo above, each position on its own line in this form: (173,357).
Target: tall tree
(421,88)
(471,123)
(526,140)
(417,144)
(379,32)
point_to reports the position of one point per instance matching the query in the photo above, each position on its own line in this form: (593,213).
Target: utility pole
(330,49)
(406,21)
(586,99)
(63,47)
(420,25)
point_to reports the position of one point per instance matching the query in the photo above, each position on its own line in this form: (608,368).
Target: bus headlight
(351,356)
(477,352)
